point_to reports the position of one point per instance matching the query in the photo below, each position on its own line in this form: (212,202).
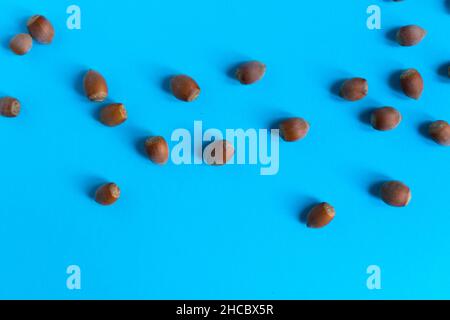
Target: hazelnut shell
(107,194)
(21,44)
(9,107)
(113,114)
(440,132)
(410,35)
(354,89)
(95,86)
(184,88)
(320,215)
(250,72)
(395,193)
(218,153)
(386,118)
(294,129)
(41,29)
(157,149)
(412,83)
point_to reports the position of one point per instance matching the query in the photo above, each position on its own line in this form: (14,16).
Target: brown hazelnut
(294,129)
(95,86)
(157,150)
(410,35)
(386,118)
(395,193)
(107,194)
(354,89)
(113,114)
(250,72)
(184,88)
(41,29)
(21,43)
(440,132)
(9,107)
(320,215)
(218,153)
(412,83)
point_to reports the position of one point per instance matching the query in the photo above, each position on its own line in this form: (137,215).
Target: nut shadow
(165,84)
(139,145)
(6,42)
(270,117)
(391,36)
(93,189)
(90,184)
(23,24)
(447,5)
(78,83)
(304,212)
(138,137)
(275,123)
(227,63)
(159,77)
(395,84)
(443,72)
(369,181)
(335,88)
(300,205)
(423,130)
(365,116)
(375,188)
(231,71)
(95,112)
(199,151)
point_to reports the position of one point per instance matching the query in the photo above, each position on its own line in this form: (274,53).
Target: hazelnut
(218,153)
(21,44)
(410,35)
(294,129)
(440,132)
(320,215)
(9,107)
(184,88)
(113,114)
(250,72)
(95,86)
(395,193)
(412,83)
(386,118)
(41,29)
(354,89)
(157,150)
(107,194)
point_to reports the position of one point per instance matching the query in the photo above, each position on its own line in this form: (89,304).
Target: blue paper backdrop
(199,232)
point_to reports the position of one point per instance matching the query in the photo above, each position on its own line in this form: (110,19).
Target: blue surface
(200,232)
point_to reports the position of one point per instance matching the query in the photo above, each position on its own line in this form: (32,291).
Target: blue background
(200,232)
